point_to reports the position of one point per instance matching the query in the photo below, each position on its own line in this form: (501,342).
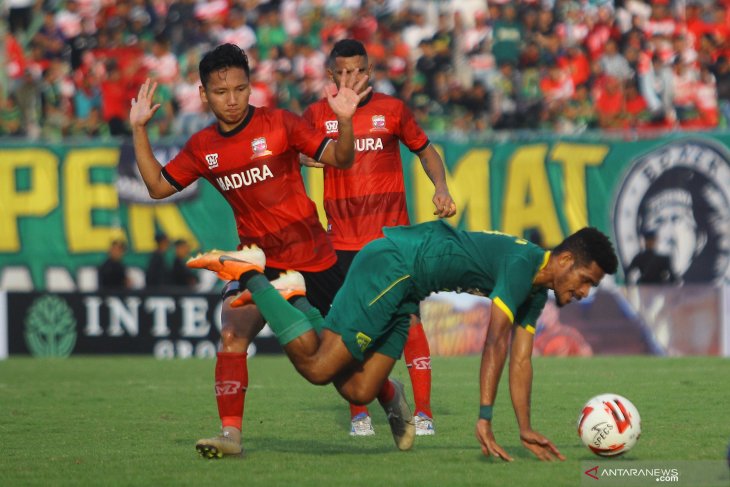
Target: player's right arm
(150,168)
(494,355)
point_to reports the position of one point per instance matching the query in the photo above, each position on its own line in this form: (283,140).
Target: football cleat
(424,425)
(230,265)
(361,425)
(400,418)
(289,284)
(228,443)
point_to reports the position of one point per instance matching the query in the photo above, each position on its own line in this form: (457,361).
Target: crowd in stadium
(461,65)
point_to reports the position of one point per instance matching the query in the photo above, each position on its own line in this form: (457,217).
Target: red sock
(231,382)
(418,360)
(355,410)
(387,392)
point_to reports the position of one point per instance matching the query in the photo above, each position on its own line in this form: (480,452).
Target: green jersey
(499,266)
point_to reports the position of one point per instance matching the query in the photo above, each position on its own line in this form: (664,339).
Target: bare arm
(520,386)
(520,376)
(493,358)
(341,153)
(150,168)
(433,165)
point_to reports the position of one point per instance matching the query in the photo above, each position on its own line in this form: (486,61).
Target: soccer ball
(609,425)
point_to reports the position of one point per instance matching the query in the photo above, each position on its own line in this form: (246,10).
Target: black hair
(590,245)
(223,56)
(346,48)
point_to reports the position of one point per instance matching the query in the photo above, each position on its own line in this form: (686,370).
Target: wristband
(485,412)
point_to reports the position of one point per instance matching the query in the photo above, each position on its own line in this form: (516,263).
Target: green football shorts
(371,311)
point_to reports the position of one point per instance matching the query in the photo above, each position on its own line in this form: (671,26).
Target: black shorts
(344,259)
(321,286)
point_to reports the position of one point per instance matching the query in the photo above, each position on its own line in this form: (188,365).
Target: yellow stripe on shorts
(500,304)
(392,285)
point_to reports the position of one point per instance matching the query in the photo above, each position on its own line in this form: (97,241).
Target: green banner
(62,204)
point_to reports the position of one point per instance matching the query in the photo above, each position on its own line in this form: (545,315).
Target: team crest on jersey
(331,126)
(212,160)
(259,148)
(378,123)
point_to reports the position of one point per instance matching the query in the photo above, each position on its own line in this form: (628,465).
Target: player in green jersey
(365,331)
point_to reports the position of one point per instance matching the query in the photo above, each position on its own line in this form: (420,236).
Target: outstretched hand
(345,100)
(488,443)
(142,109)
(543,448)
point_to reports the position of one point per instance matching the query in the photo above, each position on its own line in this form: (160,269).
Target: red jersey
(360,201)
(256,169)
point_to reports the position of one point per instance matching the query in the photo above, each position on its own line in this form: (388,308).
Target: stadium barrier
(688,320)
(63,203)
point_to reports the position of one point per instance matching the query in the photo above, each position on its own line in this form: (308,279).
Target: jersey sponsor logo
(420,363)
(368,144)
(679,193)
(378,124)
(227,387)
(244,178)
(259,148)
(212,160)
(331,126)
(362,340)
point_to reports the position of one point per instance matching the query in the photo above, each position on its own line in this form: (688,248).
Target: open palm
(345,100)
(142,108)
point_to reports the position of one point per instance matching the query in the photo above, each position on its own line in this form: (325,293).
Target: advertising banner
(63,204)
(162,325)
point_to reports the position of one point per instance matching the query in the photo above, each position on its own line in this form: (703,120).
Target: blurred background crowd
(463,66)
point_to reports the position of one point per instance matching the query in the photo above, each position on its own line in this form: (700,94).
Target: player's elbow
(346,162)
(156,195)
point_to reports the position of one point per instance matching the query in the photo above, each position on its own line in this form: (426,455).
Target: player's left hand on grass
(488,443)
(543,448)
(345,100)
(444,203)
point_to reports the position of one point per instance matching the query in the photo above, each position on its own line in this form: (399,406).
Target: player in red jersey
(251,156)
(362,200)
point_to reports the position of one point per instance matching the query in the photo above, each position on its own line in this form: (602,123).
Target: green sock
(313,315)
(285,320)
(315,319)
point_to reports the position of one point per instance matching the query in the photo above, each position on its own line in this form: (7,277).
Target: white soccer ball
(609,425)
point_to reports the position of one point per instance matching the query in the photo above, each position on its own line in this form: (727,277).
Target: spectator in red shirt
(610,104)
(576,63)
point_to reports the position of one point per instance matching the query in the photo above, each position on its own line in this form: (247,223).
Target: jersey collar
(365,100)
(240,126)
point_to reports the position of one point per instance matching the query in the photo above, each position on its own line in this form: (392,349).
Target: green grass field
(134,421)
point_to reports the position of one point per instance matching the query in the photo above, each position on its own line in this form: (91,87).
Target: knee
(358,393)
(316,377)
(228,334)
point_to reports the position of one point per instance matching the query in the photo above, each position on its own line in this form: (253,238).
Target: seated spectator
(112,273)
(11,118)
(508,35)
(158,272)
(705,100)
(181,275)
(191,113)
(614,63)
(684,81)
(636,110)
(655,86)
(557,88)
(610,105)
(586,116)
